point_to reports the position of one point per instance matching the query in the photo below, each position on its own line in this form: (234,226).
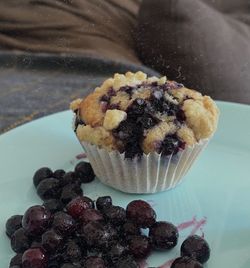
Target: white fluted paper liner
(152,173)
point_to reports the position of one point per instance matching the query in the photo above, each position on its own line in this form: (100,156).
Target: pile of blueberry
(72,231)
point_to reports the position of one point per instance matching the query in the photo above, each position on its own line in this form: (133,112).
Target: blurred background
(53,51)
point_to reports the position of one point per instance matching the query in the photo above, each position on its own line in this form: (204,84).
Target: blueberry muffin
(135,115)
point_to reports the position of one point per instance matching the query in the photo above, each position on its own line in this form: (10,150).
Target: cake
(132,118)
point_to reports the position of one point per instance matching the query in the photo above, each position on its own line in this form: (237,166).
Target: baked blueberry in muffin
(136,114)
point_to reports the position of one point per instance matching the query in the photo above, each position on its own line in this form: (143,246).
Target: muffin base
(151,174)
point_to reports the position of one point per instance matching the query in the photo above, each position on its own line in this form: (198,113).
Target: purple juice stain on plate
(81,156)
(152,203)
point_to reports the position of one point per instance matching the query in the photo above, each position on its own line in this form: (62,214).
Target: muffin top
(136,114)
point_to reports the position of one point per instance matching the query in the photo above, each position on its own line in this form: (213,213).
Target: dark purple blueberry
(171,145)
(78,121)
(139,246)
(196,247)
(126,130)
(53,264)
(133,150)
(68,265)
(67,196)
(173,109)
(36,220)
(112,231)
(20,241)
(137,107)
(103,202)
(105,98)
(56,260)
(49,188)
(36,243)
(13,224)
(130,228)
(154,84)
(97,235)
(104,106)
(169,108)
(127,89)
(91,214)
(187,98)
(186,262)
(112,92)
(34,258)
(53,205)
(41,174)
(75,187)
(180,116)
(63,223)
(70,178)
(113,106)
(115,252)
(72,252)
(94,262)
(58,174)
(51,241)
(16,260)
(93,232)
(157,104)
(78,265)
(178,125)
(147,121)
(76,206)
(163,235)
(69,192)
(126,262)
(141,213)
(115,214)
(85,172)
(77,237)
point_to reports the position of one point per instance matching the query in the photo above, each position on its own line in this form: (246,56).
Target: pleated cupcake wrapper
(152,173)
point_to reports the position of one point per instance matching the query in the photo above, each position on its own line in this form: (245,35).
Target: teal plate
(213,200)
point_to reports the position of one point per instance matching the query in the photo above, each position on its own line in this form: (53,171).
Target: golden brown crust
(121,99)
(113,118)
(201,116)
(187,135)
(91,110)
